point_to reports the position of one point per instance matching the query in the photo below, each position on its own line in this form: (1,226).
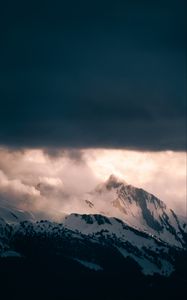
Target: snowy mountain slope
(12,215)
(137,208)
(140,246)
(81,234)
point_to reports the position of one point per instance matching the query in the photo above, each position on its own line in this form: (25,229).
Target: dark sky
(93,74)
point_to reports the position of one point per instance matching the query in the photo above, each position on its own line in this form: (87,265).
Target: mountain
(80,235)
(122,236)
(137,208)
(130,221)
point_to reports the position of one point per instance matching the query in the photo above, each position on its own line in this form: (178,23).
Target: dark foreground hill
(54,277)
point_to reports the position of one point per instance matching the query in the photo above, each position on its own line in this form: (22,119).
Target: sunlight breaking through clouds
(52,182)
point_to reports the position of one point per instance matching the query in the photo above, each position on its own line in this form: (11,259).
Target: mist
(52,182)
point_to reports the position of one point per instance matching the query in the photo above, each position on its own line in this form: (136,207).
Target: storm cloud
(86,74)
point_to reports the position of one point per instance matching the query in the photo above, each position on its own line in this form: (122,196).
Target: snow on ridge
(90,265)
(13,215)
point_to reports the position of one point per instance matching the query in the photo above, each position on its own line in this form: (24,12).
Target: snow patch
(90,265)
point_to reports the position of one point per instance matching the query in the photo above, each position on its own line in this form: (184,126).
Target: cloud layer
(93,74)
(53,182)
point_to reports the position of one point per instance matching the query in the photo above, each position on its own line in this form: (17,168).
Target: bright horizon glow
(74,172)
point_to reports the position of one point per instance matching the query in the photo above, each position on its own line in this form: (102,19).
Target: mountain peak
(114,182)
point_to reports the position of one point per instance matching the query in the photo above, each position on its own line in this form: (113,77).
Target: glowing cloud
(161,173)
(50,182)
